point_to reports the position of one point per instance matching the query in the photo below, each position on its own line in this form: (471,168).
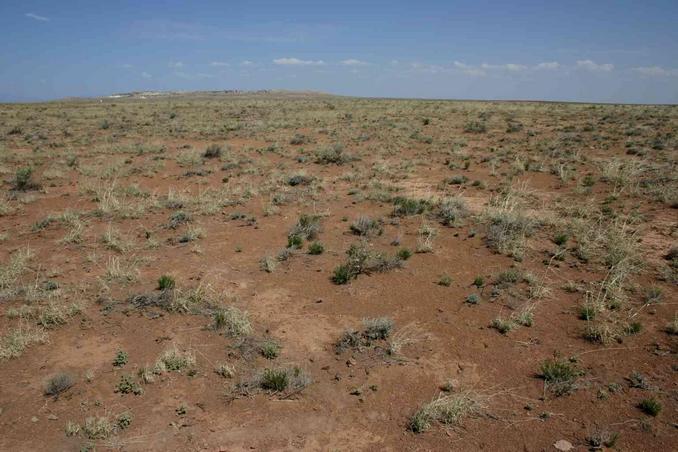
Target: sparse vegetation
(492,232)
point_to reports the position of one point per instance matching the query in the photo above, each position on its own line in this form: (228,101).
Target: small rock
(563,445)
(52,417)
(34,419)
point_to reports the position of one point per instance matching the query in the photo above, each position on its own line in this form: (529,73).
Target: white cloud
(469,70)
(427,68)
(549,65)
(511,67)
(297,62)
(146,75)
(515,67)
(219,64)
(36,17)
(655,71)
(594,67)
(176,64)
(354,62)
(246,63)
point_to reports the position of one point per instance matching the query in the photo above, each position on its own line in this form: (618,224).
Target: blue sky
(603,51)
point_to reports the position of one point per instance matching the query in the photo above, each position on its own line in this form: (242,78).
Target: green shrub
(651,406)
(127,385)
(445,280)
(166,282)
(121,358)
(404,254)
(333,154)
(22,179)
(560,375)
(295,241)
(274,380)
(307,227)
(124,420)
(473,299)
(316,248)
(407,206)
(343,274)
(475,127)
(270,349)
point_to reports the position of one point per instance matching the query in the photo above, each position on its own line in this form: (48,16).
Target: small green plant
(274,380)
(166,282)
(479,281)
(120,359)
(127,385)
(445,280)
(316,248)
(124,420)
(502,325)
(407,206)
(475,127)
(366,226)
(307,227)
(283,380)
(23,179)
(295,242)
(342,274)
(270,349)
(177,219)
(333,154)
(650,406)
(653,295)
(560,239)
(173,360)
(560,375)
(404,254)
(473,299)
(587,312)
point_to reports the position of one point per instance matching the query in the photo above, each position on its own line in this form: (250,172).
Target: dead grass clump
(451,211)
(173,360)
(14,342)
(232,321)
(362,260)
(307,227)
(373,330)
(365,226)
(449,410)
(333,155)
(508,230)
(284,382)
(10,272)
(57,384)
